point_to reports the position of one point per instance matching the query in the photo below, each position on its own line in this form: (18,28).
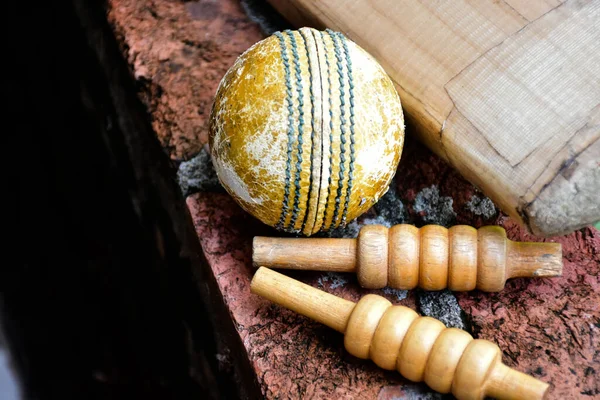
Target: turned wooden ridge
(461,258)
(397,338)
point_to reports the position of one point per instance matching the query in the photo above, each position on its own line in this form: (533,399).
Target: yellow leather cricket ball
(306,131)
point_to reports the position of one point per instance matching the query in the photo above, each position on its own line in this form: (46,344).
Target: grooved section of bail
(422,349)
(432,257)
(462,258)
(388,337)
(363,323)
(433,272)
(372,256)
(416,347)
(491,256)
(404,248)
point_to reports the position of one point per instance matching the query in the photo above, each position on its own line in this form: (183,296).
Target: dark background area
(100,288)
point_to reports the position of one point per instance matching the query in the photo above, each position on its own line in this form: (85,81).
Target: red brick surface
(178,52)
(549,328)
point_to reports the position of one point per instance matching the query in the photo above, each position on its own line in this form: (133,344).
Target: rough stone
(443,306)
(398,293)
(349,231)
(420,169)
(482,206)
(433,208)
(198,175)
(332,280)
(390,207)
(409,392)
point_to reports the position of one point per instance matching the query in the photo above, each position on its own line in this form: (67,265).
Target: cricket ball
(306,131)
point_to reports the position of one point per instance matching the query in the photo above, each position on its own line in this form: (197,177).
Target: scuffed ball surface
(306,131)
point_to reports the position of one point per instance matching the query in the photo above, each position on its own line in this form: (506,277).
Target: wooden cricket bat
(508,92)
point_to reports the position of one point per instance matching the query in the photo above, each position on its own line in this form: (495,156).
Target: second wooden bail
(404,257)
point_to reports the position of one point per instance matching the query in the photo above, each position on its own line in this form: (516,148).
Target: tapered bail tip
(257,278)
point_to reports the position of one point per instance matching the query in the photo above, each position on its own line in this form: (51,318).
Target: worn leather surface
(306,131)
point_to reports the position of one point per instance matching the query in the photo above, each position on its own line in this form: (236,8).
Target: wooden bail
(461,258)
(397,338)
